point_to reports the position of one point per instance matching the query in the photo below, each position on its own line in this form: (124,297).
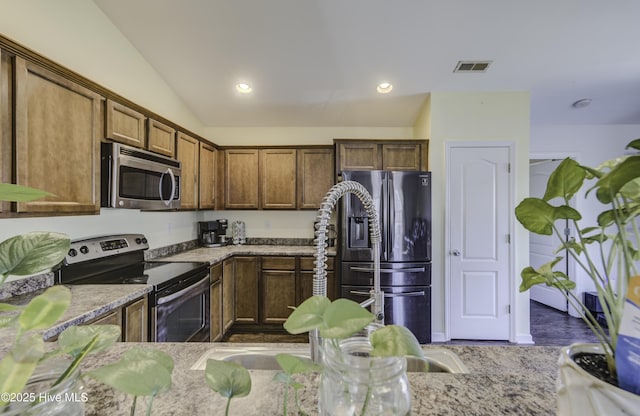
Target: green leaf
(46,309)
(73,339)
(136,377)
(14,375)
(538,216)
(5,307)
(160,357)
(631,190)
(20,193)
(609,185)
(343,318)
(634,144)
(227,378)
(28,348)
(545,275)
(32,253)
(395,340)
(294,364)
(307,316)
(565,180)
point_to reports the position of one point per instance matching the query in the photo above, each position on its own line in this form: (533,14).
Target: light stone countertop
(218,254)
(514,380)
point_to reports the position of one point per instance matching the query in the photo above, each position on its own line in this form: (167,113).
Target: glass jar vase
(41,398)
(355,383)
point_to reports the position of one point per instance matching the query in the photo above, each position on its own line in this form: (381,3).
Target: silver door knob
(455,252)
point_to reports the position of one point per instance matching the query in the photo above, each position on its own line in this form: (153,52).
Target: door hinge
(508,167)
(509,309)
(508,238)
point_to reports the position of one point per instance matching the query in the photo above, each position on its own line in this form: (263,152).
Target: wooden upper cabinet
(241,174)
(358,156)
(161,138)
(125,125)
(58,125)
(207,176)
(187,149)
(278,178)
(382,154)
(401,156)
(315,176)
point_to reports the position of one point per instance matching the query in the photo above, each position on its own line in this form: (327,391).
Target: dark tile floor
(548,327)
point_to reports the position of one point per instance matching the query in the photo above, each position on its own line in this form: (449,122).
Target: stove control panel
(93,248)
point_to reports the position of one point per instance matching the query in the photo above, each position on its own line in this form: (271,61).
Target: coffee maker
(212,233)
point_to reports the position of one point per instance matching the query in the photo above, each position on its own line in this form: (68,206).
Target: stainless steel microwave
(135,178)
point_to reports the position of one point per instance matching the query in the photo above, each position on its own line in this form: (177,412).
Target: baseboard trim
(438,337)
(524,339)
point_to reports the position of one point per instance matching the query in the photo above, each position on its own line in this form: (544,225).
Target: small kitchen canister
(238,232)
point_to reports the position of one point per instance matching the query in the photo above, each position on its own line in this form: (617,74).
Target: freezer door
(354,224)
(405,306)
(391,274)
(409,202)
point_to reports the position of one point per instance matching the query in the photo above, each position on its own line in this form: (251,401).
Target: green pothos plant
(140,372)
(607,251)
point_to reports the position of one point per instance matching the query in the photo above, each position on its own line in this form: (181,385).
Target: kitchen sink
(437,360)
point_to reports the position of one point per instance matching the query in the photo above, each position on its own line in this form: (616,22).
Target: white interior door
(479,254)
(542,247)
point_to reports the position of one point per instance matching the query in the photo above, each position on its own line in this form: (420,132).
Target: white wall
(494,116)
(591,145)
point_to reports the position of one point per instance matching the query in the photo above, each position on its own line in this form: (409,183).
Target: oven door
(181,315)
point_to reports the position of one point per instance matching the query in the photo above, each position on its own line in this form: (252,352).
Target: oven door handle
(191,288)
(389,271)
(173,187)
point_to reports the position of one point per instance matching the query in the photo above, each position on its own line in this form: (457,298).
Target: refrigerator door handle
(391,216)
(389,271)
(389,295)
(384,223)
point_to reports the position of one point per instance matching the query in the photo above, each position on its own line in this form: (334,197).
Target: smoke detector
(472,66)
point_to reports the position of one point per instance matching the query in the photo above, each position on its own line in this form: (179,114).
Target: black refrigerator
(403,203)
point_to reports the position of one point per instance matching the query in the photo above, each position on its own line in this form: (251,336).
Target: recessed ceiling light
(582,103)
(243,88)
(384,87)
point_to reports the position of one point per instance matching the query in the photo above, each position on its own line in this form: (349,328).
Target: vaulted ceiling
(318,62)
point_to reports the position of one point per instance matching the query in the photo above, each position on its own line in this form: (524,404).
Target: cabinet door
(278,178)
(187,152)
(6,117)
(207,176)
(161,138)
(241,179)
(57,130)
(358,156)
(278,295)
(228,295)
(135,321)
(315,176)
(401,156)
(305,286)
(216,311)
(111,318)
(125,125)
(246,282)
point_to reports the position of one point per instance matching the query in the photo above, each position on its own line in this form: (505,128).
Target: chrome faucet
(376,299)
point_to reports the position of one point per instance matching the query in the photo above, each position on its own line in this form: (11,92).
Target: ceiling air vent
(472,66)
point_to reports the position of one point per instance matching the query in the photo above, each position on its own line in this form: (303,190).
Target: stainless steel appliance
(403,203)
(135,178)
(179,301)
(213,233)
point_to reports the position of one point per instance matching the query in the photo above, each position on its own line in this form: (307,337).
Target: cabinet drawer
(306,263)
(278,263)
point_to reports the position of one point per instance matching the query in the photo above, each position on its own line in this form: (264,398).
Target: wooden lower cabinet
(246,275)
(306,279)
(228,295)
(135,321)
(132,318)
(278,291)
(215,310)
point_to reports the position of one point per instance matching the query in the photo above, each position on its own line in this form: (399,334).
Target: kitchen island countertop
(218,254)
(518,380)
